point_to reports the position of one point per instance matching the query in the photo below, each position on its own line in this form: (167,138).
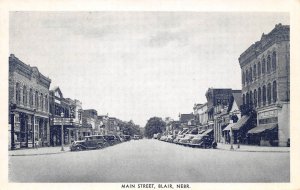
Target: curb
(235,150)
(36,154)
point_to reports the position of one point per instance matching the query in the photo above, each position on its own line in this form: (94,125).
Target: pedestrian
(36,143)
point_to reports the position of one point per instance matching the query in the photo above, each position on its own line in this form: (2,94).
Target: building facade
(28,105)
(265,68)
(89,120)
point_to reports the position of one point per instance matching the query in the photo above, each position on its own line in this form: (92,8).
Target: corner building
(265,68)
(28,105)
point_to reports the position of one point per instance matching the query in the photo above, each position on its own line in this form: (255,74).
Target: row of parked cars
(98,142)
(186,138)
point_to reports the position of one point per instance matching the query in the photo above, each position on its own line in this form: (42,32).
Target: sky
(136,65)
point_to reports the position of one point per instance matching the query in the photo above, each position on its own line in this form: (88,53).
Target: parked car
(126,137)
(89,142)
(187,139)
(111,139)
(201,141)
(163,138)
(178,137)
(170,138)
(136,137)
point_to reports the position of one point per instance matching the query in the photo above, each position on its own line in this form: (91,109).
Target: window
(263,69)
(31,98)
(46,103)
(24,96)
(42,101)
(264,95)
(250,73)
(254,71)
(259,96)
(274,91)
(268,64)
(247,99)
(243,78)
(247,76)
(258,69)
(269,93)
(274,61)
(251,98)
(36,99)
(18,93)
(255,98)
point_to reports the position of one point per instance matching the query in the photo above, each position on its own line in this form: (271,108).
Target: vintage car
(163,138)
(178,137)
(201,141)
(186,140)
(126,137)
(89,142)
(170,138)
(111,139)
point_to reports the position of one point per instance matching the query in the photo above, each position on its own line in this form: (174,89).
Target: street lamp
(62,130)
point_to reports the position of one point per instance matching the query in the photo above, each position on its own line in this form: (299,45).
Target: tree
(129,128)
(154,125)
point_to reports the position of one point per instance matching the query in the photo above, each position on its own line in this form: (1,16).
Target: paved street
(152,161)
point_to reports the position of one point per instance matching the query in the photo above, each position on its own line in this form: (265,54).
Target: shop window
(258,69)
(269,93)
(268,64)
(263,67)
(247,99)
(264,97)
(46,103)
(259,97)
(274,61)
(274,91)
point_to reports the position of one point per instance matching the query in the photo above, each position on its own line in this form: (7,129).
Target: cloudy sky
(135,65)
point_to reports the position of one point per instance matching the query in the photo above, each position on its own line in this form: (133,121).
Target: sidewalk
(39,151)
(252,148)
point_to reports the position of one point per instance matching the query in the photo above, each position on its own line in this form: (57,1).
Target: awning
(262,128)
(201,131)
(240,122)
(229,126)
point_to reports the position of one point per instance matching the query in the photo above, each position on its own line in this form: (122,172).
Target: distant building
(265,68)
(28,105)
(187,120)
(89,122)
(200,111)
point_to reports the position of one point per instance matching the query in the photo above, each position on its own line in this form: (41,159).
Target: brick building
(265,68)
(71,120)
(28,105)
(89,122)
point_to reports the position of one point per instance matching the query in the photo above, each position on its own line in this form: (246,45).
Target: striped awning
(240,122)
(262,128)
(229,126)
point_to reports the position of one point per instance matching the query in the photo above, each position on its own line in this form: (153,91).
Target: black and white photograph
(149,99)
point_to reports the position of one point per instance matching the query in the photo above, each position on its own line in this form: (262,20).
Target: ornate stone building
(28,105)
(265,67)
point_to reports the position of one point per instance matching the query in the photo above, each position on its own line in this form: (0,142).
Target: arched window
(24,95)
(251,98)
(243,78)
(274,91)
(264,96)
(254,71)
(36,99)
(42,101)
(18,93)
(31,98)
(46,103)
(250,73)
(258,69)
(274,61)
(247,76)
(247,98)
(255,98)
(268,64)
(259,96)
(263,67)
(269,93)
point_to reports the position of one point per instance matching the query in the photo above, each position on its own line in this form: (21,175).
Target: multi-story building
(28,105)
(66,113)
(265,67)
(200,110)
(89,122)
